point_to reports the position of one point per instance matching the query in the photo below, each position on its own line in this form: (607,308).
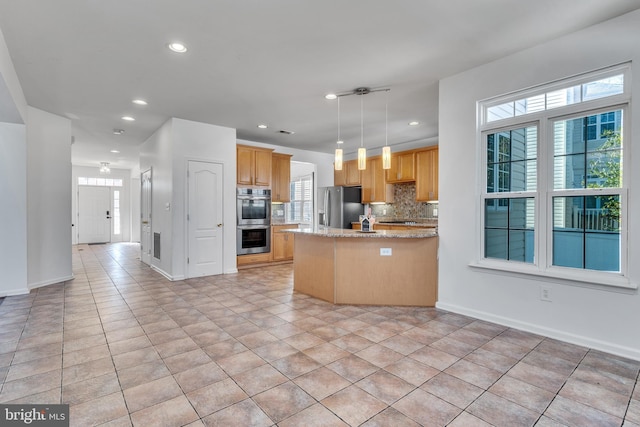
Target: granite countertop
(284,223)
(340,232)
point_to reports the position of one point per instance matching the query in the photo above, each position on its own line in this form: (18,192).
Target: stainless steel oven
(253,206)
(253,239)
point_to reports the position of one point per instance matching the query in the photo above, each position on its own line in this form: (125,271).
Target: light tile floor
(124,346)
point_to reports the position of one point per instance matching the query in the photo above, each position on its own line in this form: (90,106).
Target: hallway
(124,346)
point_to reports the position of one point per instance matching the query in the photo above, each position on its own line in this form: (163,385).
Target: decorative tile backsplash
(405,205)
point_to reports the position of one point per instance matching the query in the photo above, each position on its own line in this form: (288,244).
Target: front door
(204,217)
(145,217)
(94,214)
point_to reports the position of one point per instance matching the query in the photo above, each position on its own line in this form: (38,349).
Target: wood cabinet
(253,166)
(375,188)
(349,176)
(280,177)
(282,243)
(427,175)
(403,168)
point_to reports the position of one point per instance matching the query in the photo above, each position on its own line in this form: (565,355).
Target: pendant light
(386,150)
(104,168)
(362,152)
(338,160)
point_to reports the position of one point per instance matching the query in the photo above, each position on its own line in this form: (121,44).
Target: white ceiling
(257,61)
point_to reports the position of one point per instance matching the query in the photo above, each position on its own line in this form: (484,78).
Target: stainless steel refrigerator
(338,207)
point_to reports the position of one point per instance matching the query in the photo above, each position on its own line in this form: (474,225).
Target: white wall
(156,154)
(167,153)
(13,209)
(204,142)
(134,202)
(125,198)
(48,198)
(596,316)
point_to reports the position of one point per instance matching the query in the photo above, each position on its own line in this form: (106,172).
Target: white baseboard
(167,275)
(14,292)
(608,347)
(50,282)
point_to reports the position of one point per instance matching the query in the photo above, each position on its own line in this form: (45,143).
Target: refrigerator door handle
(327,204)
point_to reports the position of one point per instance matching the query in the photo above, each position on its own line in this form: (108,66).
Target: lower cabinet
(282,243)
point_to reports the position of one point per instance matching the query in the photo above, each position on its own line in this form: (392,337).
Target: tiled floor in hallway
(124,346)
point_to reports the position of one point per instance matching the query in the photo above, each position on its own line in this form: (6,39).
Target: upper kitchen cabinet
(375,188)
(403,168)
(281,177)
(253,166)
(349,176)
(427,175)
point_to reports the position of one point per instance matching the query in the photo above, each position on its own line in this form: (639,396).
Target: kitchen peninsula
(386,267)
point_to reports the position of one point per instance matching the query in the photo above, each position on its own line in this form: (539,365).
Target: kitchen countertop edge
(340,232)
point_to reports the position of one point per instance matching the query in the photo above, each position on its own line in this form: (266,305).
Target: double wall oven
(254,221)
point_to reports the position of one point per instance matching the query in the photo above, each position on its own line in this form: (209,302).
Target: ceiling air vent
(286,132)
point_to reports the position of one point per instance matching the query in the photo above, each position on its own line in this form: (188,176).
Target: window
(553,200)
(300,209)
(116,212)
(101,182)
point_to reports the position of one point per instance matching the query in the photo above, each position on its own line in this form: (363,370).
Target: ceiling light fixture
(262,126)
(177,47)
(104,168)
(139,102)
(362,151)
(118,131)
(128,118)
(115,151)
(414,123)
(338,157)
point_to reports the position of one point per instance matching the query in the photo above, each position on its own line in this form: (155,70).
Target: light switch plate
(385,251)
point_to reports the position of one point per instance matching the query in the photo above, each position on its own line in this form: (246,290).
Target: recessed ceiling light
(115,151)
(139,102)
(339,141)
(118,131)
(177,47)
(128,118)
(331,96)
(414,123)
(262,126)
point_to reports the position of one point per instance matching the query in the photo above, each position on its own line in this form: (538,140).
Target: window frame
(542,265)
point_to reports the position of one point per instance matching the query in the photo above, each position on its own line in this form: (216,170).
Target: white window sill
(590,278)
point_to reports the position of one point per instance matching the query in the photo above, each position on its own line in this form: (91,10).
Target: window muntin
(509,228)
(586,232)
(511,160)
(586,153)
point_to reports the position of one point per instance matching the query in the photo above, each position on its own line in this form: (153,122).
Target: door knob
(219,225)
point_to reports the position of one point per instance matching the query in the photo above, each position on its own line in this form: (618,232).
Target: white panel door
(94,214)
(145,217)
(204,217)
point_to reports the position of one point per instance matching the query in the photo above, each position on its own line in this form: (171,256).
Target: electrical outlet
(545,293)
(385,251)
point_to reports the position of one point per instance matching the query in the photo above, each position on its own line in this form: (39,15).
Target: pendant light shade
(362,158)
(104,168)
(338,161)
(362,152)
(386,157)
(386,150)
(337,165)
